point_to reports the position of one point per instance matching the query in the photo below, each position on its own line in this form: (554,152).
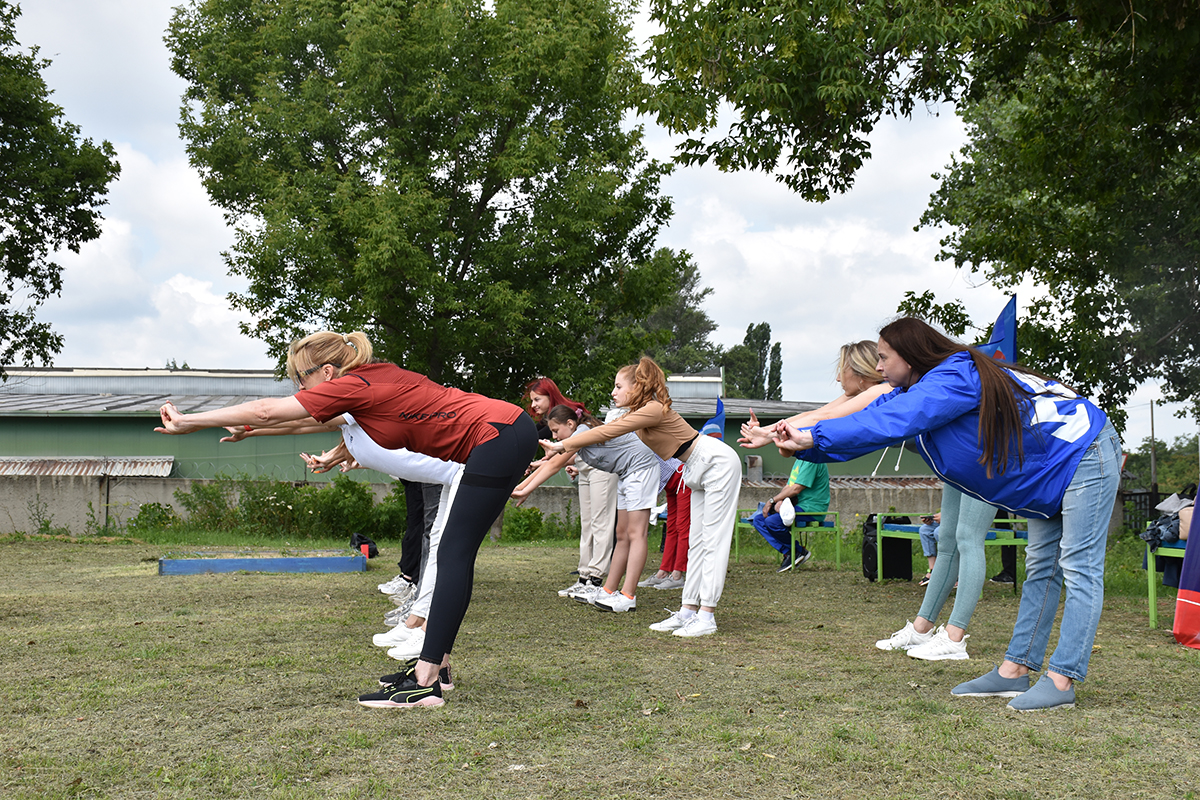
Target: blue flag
(715,427)
(1003,344)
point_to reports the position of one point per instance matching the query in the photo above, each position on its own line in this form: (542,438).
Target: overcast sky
(152,287)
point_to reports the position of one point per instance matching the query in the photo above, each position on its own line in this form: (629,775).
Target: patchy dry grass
(119,683)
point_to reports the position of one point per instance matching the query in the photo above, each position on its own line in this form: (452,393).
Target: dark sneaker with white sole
(410,668)
(406,694)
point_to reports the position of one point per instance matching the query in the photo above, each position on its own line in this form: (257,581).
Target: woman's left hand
(552,448)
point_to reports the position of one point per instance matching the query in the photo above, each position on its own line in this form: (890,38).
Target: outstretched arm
(257,414)
(549,467)
(292,428)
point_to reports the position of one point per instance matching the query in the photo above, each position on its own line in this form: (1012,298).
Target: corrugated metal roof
(83,381)
(136,466)
(123,404)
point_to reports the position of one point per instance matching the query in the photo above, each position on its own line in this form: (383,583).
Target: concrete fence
(81,504)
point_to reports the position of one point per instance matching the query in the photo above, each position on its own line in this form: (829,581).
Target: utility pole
(1153,462)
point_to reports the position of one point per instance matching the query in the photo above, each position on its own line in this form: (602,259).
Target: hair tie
(346,340)
(579,413)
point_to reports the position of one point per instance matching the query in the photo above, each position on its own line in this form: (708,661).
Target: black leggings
(493,470)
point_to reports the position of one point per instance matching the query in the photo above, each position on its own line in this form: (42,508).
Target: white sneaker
(579,584)
(410,648)
(590,595)
(941,648)
(904,638)
(395,636)
(399,586)
(696,627)
(582,589)
(617,601)
(389,583)
(671,623)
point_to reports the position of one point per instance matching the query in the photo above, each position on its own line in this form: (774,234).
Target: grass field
(119,683)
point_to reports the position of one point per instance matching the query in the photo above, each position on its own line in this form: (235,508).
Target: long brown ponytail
(1001,399)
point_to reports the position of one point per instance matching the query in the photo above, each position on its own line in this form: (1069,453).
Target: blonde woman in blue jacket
(1016,440)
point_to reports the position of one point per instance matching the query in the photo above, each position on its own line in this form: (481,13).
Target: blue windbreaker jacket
(942,411)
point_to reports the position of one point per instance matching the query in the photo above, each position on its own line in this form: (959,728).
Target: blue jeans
(778,535)
(1068,549)
(960,557)
(929,539)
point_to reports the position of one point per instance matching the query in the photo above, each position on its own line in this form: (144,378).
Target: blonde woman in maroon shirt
(336,374)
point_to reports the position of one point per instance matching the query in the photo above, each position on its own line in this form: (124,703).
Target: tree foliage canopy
(52,184)
(1080,173)
(453,178)
(754,369)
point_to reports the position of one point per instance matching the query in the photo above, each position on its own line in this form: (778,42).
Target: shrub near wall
(280,508)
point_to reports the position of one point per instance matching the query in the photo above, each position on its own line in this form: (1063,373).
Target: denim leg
(929,540)
(1068,549)
(773,530)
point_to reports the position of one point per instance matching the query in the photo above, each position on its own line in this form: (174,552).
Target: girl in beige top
(712,471)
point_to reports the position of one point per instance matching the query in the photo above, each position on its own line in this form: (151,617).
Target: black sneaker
(410,667)
(406,694)
(407,670)
(1002,577)
(787,563)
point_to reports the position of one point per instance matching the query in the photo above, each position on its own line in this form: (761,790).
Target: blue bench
(1175,549)
(996,537)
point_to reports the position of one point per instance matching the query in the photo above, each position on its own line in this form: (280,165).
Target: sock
(707,616)
(627,595)
(686,613)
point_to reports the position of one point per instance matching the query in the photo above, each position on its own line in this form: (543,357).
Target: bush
(521,524)
(343,507)
(153,517)
(391,516)
(268,507)
(208,505)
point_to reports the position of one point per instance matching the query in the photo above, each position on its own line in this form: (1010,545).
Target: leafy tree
(1079,176)
(808,80)
(52,184)
(1176,464)
(775,374)
(452,178)
(747,364)
(682,324)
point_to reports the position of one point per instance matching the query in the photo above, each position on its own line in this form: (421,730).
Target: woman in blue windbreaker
(1015,440)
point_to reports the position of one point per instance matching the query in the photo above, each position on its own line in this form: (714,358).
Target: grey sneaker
(992,685)
(670,583)
(653,580)
(1044,696)
(904,638)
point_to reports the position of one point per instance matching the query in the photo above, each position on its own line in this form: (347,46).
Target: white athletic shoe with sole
(904,638)
(696,627)
(617,601)
(671,623)
(941,648)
